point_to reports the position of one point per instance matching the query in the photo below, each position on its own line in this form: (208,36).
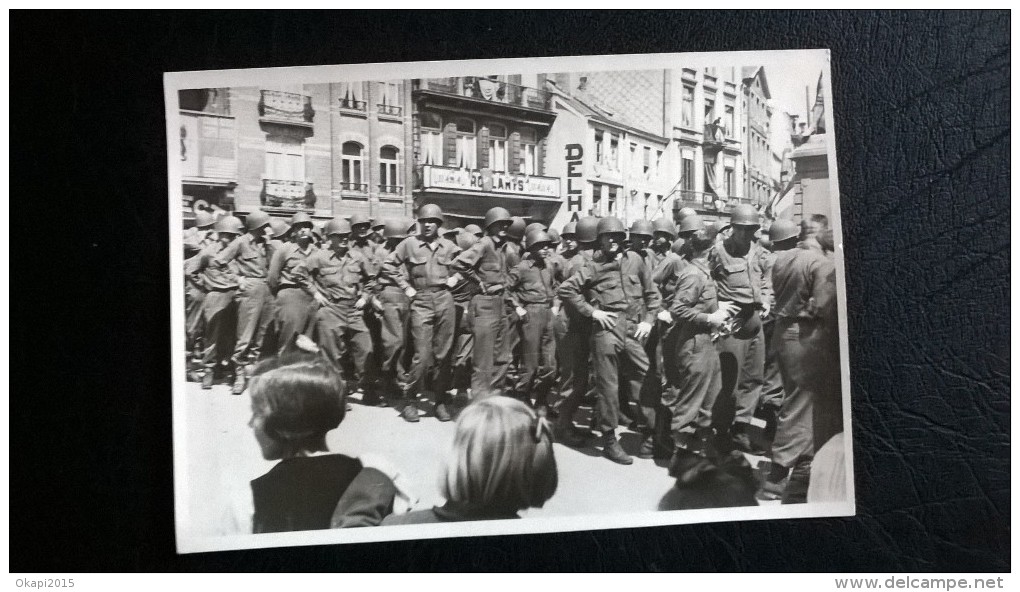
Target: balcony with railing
(352,187)
(288,195)
(715,136)
(689,196)
(351,104)
(479,89)
(390,110)
(286,108)
(391,190)
(208,148)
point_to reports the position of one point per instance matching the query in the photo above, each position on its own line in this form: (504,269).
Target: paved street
(223,457)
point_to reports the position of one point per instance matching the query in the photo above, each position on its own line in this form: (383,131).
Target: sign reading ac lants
(489,181)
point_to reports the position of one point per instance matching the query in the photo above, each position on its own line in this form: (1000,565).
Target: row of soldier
(674,329)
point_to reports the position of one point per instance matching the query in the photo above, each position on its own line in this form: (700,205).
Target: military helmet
(230,224)
(280,227)
(359,219)
(642,228)
(204,219)
(611,225)
(665,226)
(496,214)
(465,239)
(300,218)
(569,231)
(536,237)
(683,212)
(516,230)
(256,220)
(744,215)
(431,212)
(337,226)
(782,230)
(379,224)
(587,229)
(533,226)
(691,224)
(555,236)
(474,229)
(395,228)
(449,233)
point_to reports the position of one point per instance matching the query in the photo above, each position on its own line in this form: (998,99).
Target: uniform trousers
(219,313)
(255,312)
(795,429)
(293,313)
(433,315)
(394,335)
(344,338)
(616,352)
(538,354)
(652,399)
(573,350)
(193,298)
(693,379)
(743,367)
(490,356)
(772,386)
(463,347)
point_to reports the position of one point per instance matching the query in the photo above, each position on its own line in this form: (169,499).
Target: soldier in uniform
(736,267)
(694,378)
(464,339)
(421,266)
(804,280)
(361,241)
(573,334)
(616,291)
(475,229)
(343,282)
(485,263)
(202,236)
(514,253)
(250,253)
(218,306)
(640,236)
(377,232)
(393,305)
(289,281)
(532,285)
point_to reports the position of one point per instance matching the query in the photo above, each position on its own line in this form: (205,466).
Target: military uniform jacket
(485,263)
(204,271)
(250,254)
(804,279)
(621,286)
(531,282)
(416,264)
(287,268)
(739,277)
(666,273)
(340,278)
(694,299)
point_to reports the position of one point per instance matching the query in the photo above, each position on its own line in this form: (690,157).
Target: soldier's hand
(453,280)
(555,310)
(730,308)
(521,311)
(410,292)
(665,317)
(606,319)
(766,309)
(360,304)
(643,330)
(377,304)
(321,299)
(718,318)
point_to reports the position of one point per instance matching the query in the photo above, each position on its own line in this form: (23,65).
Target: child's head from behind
(295,401)
(502,457)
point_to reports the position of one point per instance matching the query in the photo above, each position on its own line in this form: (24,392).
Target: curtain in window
(467,153)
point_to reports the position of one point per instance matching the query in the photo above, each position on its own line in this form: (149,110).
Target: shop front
(466,194)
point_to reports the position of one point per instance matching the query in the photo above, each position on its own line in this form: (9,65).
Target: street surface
(223,457)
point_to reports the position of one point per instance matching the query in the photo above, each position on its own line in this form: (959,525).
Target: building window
(497,148)
(729,181)
(611,201)
(614,152)
(599,156)
(351,166)
(658,163)
(709,111)
(285,159)
(635,164)
(431,139)
(352,96)
(596,199)
(647,164)
(529,151)
(730,122)
(648,205)
(687,173)
(389,98)
(687,107)
(466,156)
(389,170)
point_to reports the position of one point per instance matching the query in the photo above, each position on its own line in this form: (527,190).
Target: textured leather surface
(922,122)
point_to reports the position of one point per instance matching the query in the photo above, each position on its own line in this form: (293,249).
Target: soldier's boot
(612,450)
(742,439)
(442,412)
(565,433)
(207,379)
(689,461)
(410,411)
(240,379)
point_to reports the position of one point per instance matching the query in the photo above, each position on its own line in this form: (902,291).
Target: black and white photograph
(444,299)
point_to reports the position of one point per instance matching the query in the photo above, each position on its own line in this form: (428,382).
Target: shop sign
(435,177)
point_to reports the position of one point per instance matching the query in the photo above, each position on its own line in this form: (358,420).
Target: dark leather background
(922,123)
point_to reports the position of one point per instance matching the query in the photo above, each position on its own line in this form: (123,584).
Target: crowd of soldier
(684,330)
